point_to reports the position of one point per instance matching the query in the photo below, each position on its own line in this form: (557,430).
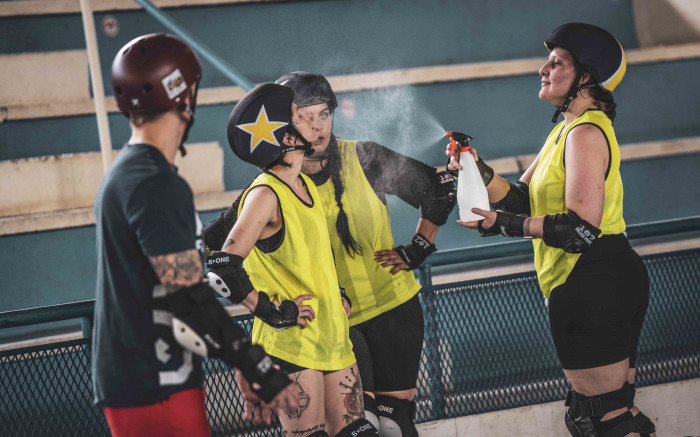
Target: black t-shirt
(143,208)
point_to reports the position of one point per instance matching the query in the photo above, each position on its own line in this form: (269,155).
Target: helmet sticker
(174,84)
(262,129)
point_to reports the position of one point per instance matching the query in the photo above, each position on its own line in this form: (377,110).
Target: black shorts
(388,348)
(286,365)
(596,315)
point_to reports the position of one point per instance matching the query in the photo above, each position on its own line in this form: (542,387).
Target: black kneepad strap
(228,277)
(645,425)
(569,232)
(584,414)
(358,428)
(516,200)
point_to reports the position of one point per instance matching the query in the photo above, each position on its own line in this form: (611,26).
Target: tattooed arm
(179,269)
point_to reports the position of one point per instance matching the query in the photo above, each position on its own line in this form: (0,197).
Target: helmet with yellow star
(258,123)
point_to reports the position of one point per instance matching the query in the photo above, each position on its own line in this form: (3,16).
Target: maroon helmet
(154,72)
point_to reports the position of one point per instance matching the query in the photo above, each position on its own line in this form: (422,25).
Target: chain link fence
(487,347)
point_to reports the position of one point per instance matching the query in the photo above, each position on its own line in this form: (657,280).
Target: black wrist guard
(344,295)
(569,232)
(506,224)
(485,171)
(256,367)
(414,253)
(279,316)
(228,277)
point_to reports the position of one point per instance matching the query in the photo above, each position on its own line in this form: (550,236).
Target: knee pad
(358,428)
(396,417)
(371,413)
(646,426)
(583,416)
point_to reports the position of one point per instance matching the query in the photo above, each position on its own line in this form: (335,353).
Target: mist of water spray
(393,117)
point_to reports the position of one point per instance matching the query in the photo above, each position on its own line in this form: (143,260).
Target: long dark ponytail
(342,226)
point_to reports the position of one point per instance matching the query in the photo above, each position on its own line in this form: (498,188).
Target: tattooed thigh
(309,417)
(344,403)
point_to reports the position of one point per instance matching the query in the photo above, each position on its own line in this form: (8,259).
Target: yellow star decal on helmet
(262,130)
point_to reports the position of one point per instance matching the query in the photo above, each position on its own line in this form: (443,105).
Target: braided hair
(342,226)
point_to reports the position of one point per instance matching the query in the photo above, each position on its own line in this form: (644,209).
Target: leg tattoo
(307,431)
(304,400)
(354,404)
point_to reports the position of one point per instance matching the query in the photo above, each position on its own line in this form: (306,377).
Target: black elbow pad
(569,232)
(228,277)
(439,199)
(516,200)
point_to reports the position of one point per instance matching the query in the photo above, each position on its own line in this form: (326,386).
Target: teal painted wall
(265,40)
(655,102)
(48,268)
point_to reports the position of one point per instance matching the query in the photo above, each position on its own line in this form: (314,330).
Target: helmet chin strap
(573,92)
(185,109)
(306,146)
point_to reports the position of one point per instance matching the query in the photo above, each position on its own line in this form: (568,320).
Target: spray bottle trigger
(453,145)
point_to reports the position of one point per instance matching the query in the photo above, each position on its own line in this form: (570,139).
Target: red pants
(183,414)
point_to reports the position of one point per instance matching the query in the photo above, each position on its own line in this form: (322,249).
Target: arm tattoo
(229,242)
(178,270)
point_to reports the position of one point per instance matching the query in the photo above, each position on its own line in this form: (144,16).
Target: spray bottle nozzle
(458,138)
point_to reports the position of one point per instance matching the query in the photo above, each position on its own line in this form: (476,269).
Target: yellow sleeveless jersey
(371,288)
(302,264)
(548,197)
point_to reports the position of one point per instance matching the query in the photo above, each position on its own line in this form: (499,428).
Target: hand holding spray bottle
(471,192)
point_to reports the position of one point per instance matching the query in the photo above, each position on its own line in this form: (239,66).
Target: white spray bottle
(471,192)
